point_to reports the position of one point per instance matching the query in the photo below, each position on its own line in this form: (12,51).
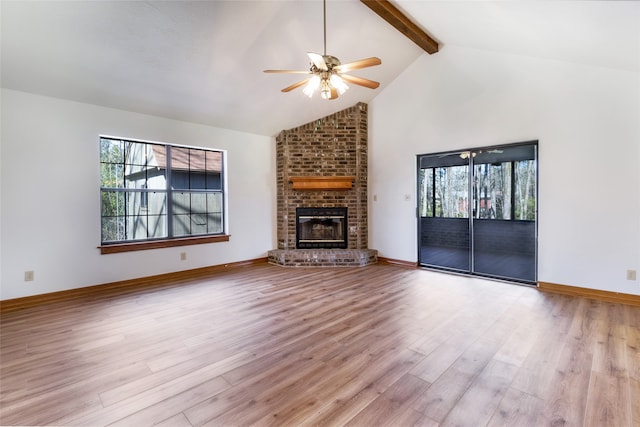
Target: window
(505,190)
(154,192)
(444,192)
(501,189)
(492,190)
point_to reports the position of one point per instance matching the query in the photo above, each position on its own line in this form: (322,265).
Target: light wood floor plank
(479,402)
(156,413)
(538,370)
(178,420)
(609,402)
(446,391)
(518,409)
(271,346)
(393,404)
(360,392)
(634,397)
(566,400)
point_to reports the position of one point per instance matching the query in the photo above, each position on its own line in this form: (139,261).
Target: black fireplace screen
(321,228)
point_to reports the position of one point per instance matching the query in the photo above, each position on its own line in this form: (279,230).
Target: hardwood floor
(266,345)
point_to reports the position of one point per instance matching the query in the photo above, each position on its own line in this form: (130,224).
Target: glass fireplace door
(321,228)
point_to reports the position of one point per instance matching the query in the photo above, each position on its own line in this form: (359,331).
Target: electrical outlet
(28,276)
(631,275)
(183,256)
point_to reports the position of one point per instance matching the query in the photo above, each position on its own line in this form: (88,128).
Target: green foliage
(111,177)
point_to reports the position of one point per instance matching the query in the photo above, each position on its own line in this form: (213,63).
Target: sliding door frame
(471,201)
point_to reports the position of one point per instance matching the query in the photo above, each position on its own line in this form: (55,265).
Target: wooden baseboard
(398,262)
(597,294)
(130,285)
(178,277)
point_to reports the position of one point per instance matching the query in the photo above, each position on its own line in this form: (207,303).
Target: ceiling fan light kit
(328,74)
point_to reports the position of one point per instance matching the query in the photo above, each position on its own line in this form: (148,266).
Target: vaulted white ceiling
(202,61)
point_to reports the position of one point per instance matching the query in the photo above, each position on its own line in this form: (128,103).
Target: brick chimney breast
(333,146)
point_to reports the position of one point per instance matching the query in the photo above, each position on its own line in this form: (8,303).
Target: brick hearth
(323,257)
(333,146)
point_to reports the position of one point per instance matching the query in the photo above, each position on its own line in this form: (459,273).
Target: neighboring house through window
(152,191)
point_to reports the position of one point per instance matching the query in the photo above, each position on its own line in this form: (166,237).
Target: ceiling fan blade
(296,85)
(287,71)
(318,61)
(356,65)
(360,81)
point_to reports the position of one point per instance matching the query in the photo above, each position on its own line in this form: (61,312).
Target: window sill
(157,244)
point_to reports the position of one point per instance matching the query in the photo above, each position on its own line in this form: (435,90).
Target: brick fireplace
(323,164)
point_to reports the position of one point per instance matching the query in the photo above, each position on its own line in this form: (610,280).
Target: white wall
(587,121)
(50,209)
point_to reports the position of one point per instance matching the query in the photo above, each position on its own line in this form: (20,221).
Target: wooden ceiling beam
(402,23)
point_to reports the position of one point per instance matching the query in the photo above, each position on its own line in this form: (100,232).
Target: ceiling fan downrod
(324,20)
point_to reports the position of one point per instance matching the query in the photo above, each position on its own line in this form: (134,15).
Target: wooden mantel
(322,182)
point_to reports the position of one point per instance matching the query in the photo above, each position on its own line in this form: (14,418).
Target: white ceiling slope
(202,61)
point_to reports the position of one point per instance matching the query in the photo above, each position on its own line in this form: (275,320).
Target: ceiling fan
(328,74)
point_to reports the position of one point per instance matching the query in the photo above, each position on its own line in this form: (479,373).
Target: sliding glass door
(444,211)
(477,211)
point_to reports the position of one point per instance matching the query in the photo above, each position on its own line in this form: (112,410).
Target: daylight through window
(152,191)
(500,190)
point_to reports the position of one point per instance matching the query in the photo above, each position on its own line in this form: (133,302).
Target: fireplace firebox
(322,228)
